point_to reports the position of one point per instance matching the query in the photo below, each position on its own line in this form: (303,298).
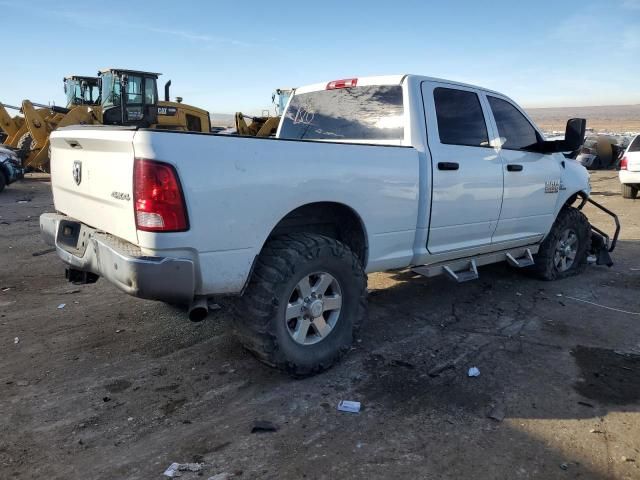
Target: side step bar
(464,275)
(525,261)
(465,269)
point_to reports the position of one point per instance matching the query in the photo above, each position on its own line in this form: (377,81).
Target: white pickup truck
(365,175)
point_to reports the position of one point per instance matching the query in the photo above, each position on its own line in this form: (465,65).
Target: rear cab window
(360,114)
(635,145)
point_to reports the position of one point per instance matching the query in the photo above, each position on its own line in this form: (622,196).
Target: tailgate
(92,177)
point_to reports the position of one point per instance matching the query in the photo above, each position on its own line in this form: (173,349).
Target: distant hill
(222,119)
(613,118)
(616,118)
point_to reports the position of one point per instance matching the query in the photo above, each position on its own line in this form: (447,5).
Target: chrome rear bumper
(84,249)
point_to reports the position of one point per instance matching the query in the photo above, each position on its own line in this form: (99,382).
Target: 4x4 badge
(77,171)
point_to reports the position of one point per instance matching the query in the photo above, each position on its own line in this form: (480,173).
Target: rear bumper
(629,178)
(122,263)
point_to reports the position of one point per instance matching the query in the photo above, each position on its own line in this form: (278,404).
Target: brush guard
(601,244)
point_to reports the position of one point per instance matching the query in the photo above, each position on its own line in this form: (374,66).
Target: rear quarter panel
(238,188)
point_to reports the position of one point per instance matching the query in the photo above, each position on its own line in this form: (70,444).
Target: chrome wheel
(566,250)
(314,308)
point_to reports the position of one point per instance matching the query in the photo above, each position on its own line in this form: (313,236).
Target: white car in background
(630,169)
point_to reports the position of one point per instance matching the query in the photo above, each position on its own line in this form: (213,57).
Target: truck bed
(236,190)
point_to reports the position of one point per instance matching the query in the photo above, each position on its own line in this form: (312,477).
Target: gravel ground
(96,384)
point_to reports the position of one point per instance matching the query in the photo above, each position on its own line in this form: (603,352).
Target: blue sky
(228,56)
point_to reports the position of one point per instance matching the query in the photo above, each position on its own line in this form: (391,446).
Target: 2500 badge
(553,186)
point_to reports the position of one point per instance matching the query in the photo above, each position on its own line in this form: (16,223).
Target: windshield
(77,95)
(135,95)
(110,90)
(361,113)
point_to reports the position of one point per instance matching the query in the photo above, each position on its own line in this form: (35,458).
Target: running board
(525,261)
(463,275)
(465,269)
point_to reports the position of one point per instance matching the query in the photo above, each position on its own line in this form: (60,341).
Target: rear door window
(370,113)
(460,118)
(512,125)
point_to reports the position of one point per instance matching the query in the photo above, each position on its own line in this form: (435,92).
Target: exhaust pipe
(166,91)
(199,309)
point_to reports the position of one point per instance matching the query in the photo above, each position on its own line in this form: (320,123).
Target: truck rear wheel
(564,251)
(629,191)
(305,299)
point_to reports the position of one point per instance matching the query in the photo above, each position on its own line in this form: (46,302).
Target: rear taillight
(158,200)
(624,163)
(346,83)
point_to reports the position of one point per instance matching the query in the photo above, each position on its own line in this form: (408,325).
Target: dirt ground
(100,385)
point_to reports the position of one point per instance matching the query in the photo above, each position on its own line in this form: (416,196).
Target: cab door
(531,180)
(467,170)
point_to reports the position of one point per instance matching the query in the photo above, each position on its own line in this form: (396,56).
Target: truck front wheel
(564,251)
(306,297)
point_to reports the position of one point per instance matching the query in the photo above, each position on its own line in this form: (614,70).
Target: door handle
(512,167)
(448,166)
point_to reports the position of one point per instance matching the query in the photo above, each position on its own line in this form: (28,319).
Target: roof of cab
(81,77)
(390,80)
(127,70)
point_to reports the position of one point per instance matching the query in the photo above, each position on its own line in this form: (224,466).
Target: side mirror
(573,138)
(124,81)
(573,135)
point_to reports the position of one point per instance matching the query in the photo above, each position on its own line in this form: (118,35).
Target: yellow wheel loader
(29,134)
(10,126)
(130,97)
(115,97)
(259,126)
(41,125)
(266,125)
(16,129)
